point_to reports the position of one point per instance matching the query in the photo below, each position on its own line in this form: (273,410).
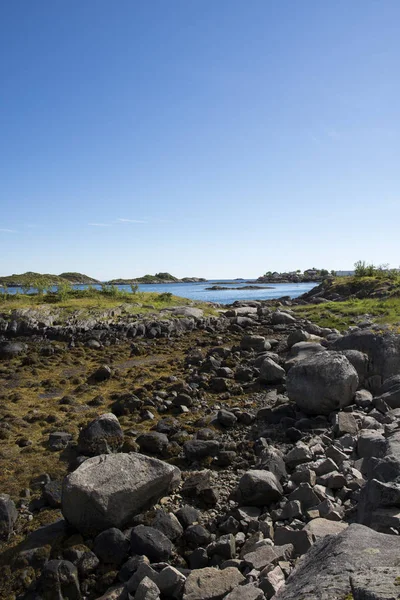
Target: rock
(224,547)
(324,571)
(115,592)
(271,372)
(379,505)
(168,524)
(301,351)
(359,360)
(101,374)
(301,539)
(9,350)
(187,515)
(153,442)
(322,383)
(261,558)
(111,546)
(345,423)
(211,584)
(8,516)
(378,583)
(259,488)
(255,342)
(245,592)
(103,435)
(52,493)
(171,582)
(109,490)
(298,455)
(272,460)
(226,418)
(187,311)
(58,440)
(150,542)
(371,443)
(196,450)
(197,535)
(282,318)
(59,579)
(319,528)
(147,590)
(272,582)
(199,485)
(305,494)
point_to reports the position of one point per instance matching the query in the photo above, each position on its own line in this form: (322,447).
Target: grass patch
(100,299)
(341,315)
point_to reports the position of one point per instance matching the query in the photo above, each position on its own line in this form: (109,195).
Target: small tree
(134,288)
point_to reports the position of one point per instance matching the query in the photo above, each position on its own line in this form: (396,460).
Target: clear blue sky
(215,138)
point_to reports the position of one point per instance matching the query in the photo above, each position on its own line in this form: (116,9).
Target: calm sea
(197,291)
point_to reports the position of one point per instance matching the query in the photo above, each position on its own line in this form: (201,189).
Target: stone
(109,490)
(371,444)
(147,590)
(111,546)
(196,450)
(211,584)
(153,442)
(58,440)
(378,583)
(59,579)
(199,485)
(224,547)
(226,418)
(8,516)
(150,542)
(272,582)
(245,592)
(103,435)
(282,318)
(101,374)
(322,383)
(271,372)
(197,535)
(300,352)
(187,515)
(345,423)
(259,488)
(305,494)
(255,342)
(168,524)
(301,539)
(301,453)
(319,527)
(377,495)
(9,350)
(115,592)
(261,557)
(171,582)
(324,571)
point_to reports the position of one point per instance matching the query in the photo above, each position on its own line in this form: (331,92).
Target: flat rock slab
(381,583)
(324,572)
(320,528)
(109,490)
(211,584)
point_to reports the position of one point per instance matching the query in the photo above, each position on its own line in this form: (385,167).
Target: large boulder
(322,383)
(109,490)
(259,488)
(103,435)
(383,351)
(324,572)
(8,516)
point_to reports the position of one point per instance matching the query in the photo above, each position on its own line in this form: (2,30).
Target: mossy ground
(342,315)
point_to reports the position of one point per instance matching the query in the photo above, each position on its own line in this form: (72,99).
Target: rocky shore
(248,455)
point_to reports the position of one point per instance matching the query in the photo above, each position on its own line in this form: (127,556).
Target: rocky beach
(249,453)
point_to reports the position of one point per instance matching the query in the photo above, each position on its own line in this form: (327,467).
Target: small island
(308,276)
(154,279)
(217,288)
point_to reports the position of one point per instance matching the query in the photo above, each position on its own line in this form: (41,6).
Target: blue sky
(206,138)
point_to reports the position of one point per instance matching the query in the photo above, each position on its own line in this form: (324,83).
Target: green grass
(341,315)
(99,300)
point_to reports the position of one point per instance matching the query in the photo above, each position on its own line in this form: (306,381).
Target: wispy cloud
(100,224)
(334,134)
(130,221)
(5,230)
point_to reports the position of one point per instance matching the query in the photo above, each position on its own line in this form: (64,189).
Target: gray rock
(324,572)
(211,584)
(345,423)
(171,582)
(101,374)
(9,350)
(8,516)
(109,490)
(153,442)
(259,488)
(271,372)
(147,590)
(245,592)
(320,528)
(261,557)
(300,351)
(298,455)
(59,579)
(301,539)
(150,542)
(111,546)
(168,524)
(379,502)
(103,435)
(187,515)
(58,440)
(378,583)
(272,582)
(255,342)
(226,418)
(282,318)
(196,450)
(322,383)
(371,443)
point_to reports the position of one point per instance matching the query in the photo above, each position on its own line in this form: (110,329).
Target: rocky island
(197,453)
(310,275)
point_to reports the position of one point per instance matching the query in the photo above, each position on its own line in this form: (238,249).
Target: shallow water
(197,291)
